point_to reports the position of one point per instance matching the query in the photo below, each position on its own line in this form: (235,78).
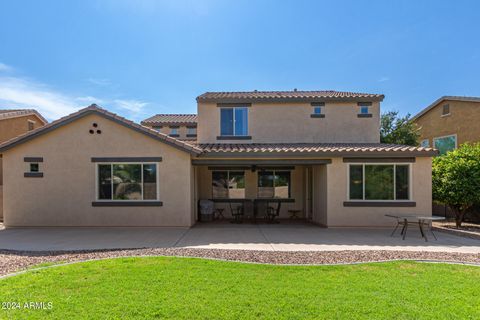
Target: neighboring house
(14,122)
(449,122)
(315,151)
(180,126)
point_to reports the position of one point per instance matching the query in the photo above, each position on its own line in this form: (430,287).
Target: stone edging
(460,233)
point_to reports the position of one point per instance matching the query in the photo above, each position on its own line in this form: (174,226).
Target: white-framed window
(191,130)
(34,167)
(445,143)
(228,184)
(31,125)
(173,130)
(379,182)
(364,110)
(445,110)
(126,181)
(425,143)
(234,121)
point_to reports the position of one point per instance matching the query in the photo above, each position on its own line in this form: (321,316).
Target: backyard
(193,288)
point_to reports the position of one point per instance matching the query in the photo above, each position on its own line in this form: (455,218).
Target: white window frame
(315,108)
(141,183)
(274,186)
(234,121)
(447,136)
(410,185)
(427,144)
(173,130)
(228,180)
(449,110)
(191,130)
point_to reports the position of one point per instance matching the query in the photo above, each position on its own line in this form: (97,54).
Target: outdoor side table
(220,213)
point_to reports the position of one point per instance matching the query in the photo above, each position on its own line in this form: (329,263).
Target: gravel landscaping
(12,261)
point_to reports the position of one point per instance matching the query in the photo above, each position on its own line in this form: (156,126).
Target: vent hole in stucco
(99,131)
(91,131)
(95,125)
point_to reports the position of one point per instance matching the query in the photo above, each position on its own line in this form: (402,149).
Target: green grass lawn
(188,288)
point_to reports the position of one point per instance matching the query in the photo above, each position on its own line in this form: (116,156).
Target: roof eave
(291,99)
(315,154)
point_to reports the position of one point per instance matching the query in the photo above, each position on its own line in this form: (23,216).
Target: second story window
(364,111)
(446,110)
(191,131)
(31,125)
(174,132)
(234,121)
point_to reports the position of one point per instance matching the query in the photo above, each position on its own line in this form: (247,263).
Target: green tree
(456,179)
(398,130)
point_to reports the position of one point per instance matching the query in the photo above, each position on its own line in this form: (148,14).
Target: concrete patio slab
(278,237)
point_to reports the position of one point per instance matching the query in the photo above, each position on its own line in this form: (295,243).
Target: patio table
(411,219)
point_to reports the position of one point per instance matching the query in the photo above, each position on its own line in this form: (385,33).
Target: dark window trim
(364,115)
(33,174)
(317,104)
(317,115)
(379,204)
(174,135)
(274,173)
(234,137)
(191,135)
(126,159)
(174,127)
(233,105)
(127,203)
(33,159)
(364,104)
(192,127)
(379,160)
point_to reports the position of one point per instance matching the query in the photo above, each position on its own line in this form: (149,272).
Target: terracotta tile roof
(14,113)
(295,95)
(165,119)
(330,149)
(108,115)
(445,98)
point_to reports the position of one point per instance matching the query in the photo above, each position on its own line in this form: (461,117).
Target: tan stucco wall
(340,216)
(463,121)
(1,203)
(297,189)
(13,127)
(320,191)
(63,197)
(291,122)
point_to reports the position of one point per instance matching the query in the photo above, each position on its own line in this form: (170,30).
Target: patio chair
(273,212)
(237,213)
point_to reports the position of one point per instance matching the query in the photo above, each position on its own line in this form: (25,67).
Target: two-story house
(180,126)
(449,122)
(313,151)
(14,122)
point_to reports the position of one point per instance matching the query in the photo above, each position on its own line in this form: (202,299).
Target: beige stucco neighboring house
(316,152)
(14,122)
(449,122)
(180,126)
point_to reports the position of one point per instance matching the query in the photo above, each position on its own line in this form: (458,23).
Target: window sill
(234,137)
(33,175)
(127,203)
(379,204)
(316,115)
(364,115)
(191,135)
(445,115)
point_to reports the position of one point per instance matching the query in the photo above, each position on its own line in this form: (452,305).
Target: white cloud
(100,82)
(383,79)
(5,68)
(135,108)
(18,92)
(89,100)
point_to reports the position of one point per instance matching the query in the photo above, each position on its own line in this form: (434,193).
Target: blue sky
(138,58)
